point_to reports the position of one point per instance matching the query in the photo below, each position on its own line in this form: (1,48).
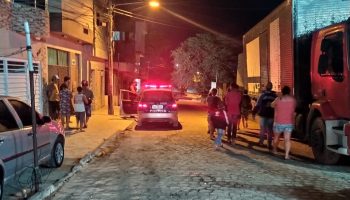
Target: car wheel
(57,155)
(318,144)
(176,124)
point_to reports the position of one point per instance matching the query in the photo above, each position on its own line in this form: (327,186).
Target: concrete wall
(73,18)
(13,15)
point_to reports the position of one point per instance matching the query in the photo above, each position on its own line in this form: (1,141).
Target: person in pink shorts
(283,119)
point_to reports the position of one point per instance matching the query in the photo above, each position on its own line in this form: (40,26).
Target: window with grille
(32,3)
(16,66)
(2,66)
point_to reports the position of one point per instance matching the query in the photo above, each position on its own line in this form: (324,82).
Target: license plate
(157,107)
(157,111)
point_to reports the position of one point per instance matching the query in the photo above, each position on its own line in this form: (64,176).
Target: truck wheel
(299,127)
(318,144)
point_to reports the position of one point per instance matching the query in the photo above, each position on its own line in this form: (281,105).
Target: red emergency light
(161,86)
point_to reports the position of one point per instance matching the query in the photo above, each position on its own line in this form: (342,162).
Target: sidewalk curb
(52,188)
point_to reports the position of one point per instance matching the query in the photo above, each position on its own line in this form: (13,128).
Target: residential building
(129,51)
(67,40)
(13,57)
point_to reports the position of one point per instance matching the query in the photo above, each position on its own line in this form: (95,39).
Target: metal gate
(14,80)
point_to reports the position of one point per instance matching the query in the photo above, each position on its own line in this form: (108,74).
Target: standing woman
(65,102)
(284,119)
(79,107)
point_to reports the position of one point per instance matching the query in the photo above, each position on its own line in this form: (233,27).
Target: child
(79,107)
(220,122)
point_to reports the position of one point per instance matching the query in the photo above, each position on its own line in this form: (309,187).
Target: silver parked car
(16,139)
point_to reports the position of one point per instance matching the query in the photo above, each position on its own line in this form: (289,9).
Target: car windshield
(151,96)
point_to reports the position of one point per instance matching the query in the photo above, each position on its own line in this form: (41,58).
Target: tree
(202,58)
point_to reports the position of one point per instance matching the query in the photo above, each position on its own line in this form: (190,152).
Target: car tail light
(142,106)
(172,106)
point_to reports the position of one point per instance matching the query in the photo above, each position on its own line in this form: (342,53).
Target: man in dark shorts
(90,96)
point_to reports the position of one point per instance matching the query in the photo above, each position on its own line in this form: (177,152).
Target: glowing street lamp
(154,4)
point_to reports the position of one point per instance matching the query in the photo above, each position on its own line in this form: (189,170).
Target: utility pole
(110,60)
(32,100)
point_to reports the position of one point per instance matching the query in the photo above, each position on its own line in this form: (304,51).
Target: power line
(135,16)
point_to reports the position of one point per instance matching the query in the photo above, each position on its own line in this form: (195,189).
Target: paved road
(152,163)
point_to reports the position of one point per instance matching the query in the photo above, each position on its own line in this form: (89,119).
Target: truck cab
(328,122)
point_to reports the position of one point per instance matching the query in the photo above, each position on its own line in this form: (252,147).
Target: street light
(154,4)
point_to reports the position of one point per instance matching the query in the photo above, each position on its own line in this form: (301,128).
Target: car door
(10,143)
(24,113)
(128,103)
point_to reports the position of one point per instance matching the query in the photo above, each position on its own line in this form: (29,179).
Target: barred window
(33,3)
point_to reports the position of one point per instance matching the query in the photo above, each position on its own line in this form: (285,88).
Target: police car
(157,104)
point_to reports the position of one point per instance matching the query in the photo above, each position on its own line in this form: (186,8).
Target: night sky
(229,17)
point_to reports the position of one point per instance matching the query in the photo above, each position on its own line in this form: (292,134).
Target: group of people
(276,115)
(62,102)
(224,114)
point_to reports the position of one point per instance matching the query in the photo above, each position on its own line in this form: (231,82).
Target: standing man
(90,96)
(266,113)
(213,102)
(53,97)
(246,107)
(133,87)
(233,104)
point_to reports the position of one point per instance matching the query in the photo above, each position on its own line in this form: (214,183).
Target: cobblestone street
(183,164)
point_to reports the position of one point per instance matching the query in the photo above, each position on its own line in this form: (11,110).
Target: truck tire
(318,144)
(299,131)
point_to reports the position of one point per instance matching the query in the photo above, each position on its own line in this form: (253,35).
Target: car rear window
(151,96)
